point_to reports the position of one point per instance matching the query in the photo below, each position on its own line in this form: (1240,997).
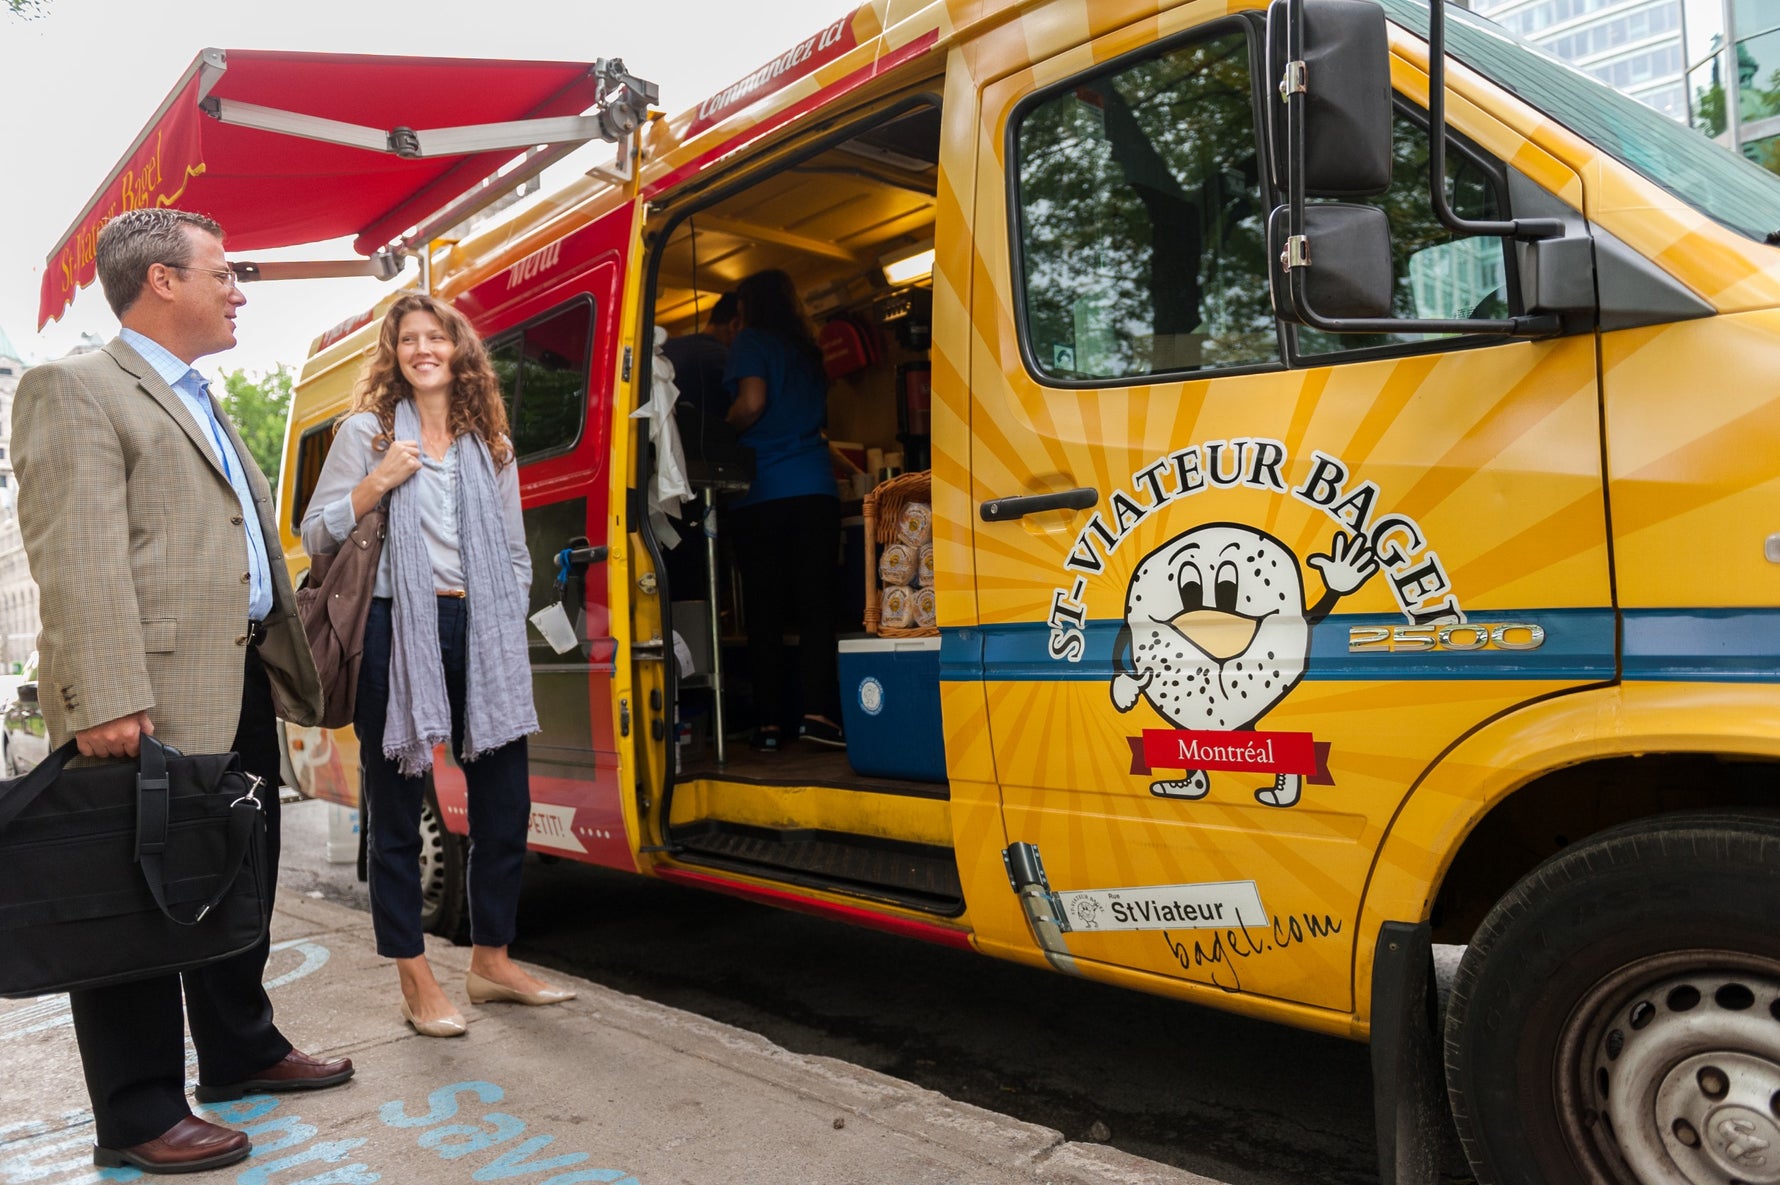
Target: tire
(1616,1019)
(444,900)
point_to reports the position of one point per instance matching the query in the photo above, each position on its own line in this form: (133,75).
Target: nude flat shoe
(445,1026)
(487,991)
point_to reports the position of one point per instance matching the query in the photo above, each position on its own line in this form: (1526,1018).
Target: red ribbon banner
(1238,752)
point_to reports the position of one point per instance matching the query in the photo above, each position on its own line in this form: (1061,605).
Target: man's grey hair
(135,240)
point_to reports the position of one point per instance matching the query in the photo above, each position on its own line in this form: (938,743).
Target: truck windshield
(1719,183)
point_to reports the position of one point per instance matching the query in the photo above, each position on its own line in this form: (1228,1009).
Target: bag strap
(152,812)
(24,791)
(364,543)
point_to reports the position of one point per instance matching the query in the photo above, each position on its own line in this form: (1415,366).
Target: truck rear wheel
(444,898)
(1616,1019)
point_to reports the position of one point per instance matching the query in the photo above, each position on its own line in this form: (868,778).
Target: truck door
(557,361)
(1298,566)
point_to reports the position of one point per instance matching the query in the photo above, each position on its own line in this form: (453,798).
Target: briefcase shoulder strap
(153,794)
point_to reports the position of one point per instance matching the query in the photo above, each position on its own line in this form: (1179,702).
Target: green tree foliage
(1143,221)
(258,406)
(27,9)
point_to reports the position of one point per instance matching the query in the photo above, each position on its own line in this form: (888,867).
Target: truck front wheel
(1616,1019)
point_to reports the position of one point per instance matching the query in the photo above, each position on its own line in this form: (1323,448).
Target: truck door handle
(581,555)
(1006,510)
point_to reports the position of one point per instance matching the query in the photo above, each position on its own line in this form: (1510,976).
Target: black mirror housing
(1347,100)
(27,693)
(1348,274)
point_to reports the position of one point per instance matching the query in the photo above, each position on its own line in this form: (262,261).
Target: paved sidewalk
(605,1088)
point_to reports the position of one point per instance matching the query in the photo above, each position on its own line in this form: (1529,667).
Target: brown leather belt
(458,593)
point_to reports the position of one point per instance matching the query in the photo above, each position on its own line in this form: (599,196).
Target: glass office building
(1675,55)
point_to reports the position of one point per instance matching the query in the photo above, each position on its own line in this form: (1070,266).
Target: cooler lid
(866,644)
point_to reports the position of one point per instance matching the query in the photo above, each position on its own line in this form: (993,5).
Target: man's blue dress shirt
(194,392)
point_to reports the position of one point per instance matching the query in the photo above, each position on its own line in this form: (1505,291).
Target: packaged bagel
(915,525)
(926,610)
(897,608)
(897,564)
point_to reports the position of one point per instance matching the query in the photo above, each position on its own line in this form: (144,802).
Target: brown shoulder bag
(333,602)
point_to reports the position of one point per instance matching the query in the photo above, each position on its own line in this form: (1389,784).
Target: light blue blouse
(329,520)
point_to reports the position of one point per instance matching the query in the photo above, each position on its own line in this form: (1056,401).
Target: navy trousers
(499,801)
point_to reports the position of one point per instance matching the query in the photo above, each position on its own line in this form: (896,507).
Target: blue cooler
(890,706)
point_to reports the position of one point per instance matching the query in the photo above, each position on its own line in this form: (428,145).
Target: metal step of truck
(918,876)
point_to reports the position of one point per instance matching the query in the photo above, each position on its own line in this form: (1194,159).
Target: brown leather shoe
(189,1146)
(298,1071)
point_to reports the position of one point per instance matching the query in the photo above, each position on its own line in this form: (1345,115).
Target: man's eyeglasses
(224,276)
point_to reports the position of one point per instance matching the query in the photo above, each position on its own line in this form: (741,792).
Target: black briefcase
(116,872)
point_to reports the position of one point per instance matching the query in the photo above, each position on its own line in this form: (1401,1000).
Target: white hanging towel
(669,487)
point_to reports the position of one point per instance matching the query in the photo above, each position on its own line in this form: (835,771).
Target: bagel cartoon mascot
(1216,633)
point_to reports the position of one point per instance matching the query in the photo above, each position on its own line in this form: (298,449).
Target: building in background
(1741,104)
(1674,55)
(18,593)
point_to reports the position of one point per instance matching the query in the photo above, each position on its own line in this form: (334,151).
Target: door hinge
(627,364)
(1295,80)
(623,717)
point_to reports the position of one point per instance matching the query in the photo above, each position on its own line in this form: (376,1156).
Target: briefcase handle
(43,775)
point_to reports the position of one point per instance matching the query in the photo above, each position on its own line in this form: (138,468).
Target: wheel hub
(1678,1073)
(1715,1109)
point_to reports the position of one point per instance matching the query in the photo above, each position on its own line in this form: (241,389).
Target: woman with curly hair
(428,430)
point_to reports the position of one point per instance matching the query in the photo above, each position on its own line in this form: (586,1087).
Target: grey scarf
(498,705)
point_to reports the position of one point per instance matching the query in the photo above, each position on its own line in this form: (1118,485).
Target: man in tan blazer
(166,610)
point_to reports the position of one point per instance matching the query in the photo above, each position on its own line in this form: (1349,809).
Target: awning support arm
(403,141)
(491,190)
(384,265)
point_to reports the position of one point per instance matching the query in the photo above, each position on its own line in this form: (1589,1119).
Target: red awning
(279,188)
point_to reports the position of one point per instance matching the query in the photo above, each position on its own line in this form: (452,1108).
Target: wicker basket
(883,510)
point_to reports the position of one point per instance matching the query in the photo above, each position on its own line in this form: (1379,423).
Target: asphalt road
(1236,1100)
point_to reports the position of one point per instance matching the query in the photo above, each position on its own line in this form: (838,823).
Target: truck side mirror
(1344,90)
(27,693)
(1329,135)
(1348,272)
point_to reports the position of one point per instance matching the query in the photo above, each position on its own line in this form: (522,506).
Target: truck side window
(1438,273)
(543,371)
(1140,219)
(503,355)
(312,450)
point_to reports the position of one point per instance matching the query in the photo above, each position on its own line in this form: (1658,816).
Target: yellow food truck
(1352,479)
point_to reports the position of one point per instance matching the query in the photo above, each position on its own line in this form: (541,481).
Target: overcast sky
(77,84)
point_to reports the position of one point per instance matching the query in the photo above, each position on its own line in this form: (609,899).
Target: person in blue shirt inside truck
(786,527)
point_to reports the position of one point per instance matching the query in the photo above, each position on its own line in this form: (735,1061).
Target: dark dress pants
(497,785)
(132,1042)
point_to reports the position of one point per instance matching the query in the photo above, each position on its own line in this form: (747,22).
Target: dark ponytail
(769,302)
